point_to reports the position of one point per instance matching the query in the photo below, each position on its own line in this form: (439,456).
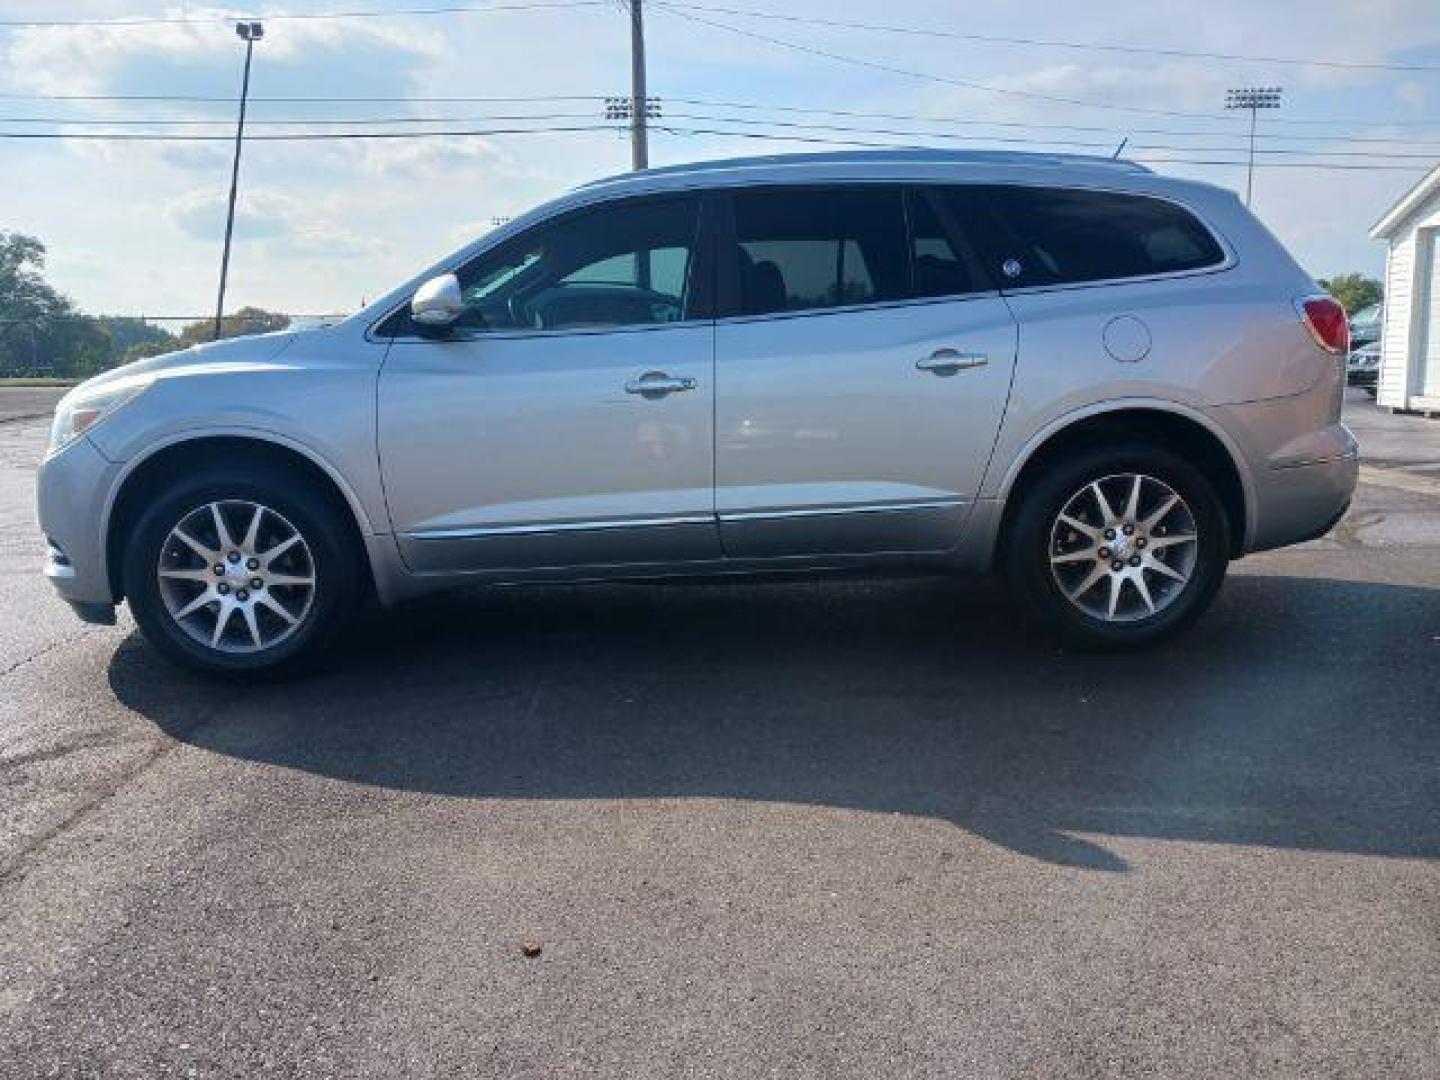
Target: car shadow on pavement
(1299,714)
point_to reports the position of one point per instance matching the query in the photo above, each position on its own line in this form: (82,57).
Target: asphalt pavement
(801,829)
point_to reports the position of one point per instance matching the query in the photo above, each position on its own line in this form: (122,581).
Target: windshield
(1366,316)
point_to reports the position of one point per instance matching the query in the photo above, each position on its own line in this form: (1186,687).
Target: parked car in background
(1103,383)
(1366,325)
(1363,367)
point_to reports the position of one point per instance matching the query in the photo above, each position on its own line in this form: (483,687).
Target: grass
(25,380)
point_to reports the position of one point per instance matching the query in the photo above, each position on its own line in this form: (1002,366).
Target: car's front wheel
(1118,546)
(241,570)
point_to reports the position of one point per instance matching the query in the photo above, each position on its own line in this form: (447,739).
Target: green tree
(40,329)
(131,339)
(1354,291)
(248,320)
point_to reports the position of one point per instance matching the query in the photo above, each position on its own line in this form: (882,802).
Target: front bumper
(70,494)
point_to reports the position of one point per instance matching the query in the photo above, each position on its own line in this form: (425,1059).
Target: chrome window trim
(514,335)
(806,313)
(709,186)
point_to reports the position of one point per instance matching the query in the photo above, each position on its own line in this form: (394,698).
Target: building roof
(1412,200)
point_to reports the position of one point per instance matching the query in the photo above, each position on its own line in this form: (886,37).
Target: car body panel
(831,439)
(548,460)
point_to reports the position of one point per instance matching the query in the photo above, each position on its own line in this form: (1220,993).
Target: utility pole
(639,104)
(1253,98)
(248,32)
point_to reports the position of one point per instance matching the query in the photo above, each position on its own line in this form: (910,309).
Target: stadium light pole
(1253,98)
(248,32)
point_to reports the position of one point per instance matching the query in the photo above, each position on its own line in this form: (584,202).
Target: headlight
(81,409)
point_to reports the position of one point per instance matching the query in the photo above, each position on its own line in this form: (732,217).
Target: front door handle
(656,384)
(949,361)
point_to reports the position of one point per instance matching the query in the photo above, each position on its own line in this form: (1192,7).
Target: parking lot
(799,829)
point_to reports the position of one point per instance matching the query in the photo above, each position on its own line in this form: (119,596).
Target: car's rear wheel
(1118,546)
(241,570)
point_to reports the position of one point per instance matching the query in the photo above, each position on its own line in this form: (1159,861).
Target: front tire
(241,570)
(1118,547)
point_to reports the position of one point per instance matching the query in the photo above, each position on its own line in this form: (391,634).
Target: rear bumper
(1303,502)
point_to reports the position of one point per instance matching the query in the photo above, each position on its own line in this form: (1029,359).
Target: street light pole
(248,32)
(1253,98)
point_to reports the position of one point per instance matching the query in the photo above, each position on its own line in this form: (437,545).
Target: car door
(862,366)
(567,418)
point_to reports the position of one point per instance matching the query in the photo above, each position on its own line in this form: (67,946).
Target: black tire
(1026,559)
(337,566)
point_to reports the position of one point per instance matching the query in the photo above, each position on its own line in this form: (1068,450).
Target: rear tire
(1116,570)
(280,588)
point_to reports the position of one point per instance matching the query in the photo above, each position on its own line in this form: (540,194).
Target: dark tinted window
(623,265)
(939,265)
(803,249)
(1059,235)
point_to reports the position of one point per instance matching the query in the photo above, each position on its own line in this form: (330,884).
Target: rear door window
(942,261)
(1045,236)
(808,249)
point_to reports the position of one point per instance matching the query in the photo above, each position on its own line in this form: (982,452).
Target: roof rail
(897,155)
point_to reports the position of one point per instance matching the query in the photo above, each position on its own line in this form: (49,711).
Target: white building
(1410,343)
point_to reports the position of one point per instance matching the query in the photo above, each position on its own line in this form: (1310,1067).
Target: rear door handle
(949,361)
(656,384)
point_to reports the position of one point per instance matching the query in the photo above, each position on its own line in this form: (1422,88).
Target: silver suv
(1101,382)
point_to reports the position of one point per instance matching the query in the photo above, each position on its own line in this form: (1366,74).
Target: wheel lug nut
(1140,542)
(222,589)
(219,569)
(1117,566)
(1109,534)
(234,556)
(1104,553)
(257,583)
(1129,529)
(1134,560)
(252,564)
(242,596)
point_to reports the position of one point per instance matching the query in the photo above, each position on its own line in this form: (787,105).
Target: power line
(357,99)
(797,136)
(1099,128)
(1052,43)
(698,116)
(930,76)
(194,20)
(470,99)
(1312,166)
(309,136)
(1106,129)
(749,13)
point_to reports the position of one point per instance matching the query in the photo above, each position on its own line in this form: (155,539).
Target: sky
(135,227)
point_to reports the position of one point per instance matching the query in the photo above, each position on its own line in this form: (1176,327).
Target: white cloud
(289,225)
(107,60)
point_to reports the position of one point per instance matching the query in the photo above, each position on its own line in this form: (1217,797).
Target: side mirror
(437,303)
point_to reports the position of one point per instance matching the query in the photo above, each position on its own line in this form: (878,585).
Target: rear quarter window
(1068,235)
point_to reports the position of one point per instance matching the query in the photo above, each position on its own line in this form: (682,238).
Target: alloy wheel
(236,576)
(1123,547)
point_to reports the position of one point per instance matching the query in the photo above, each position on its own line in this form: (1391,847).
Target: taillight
(1325,318)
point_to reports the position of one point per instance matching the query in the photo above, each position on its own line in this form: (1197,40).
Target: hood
(251,349)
